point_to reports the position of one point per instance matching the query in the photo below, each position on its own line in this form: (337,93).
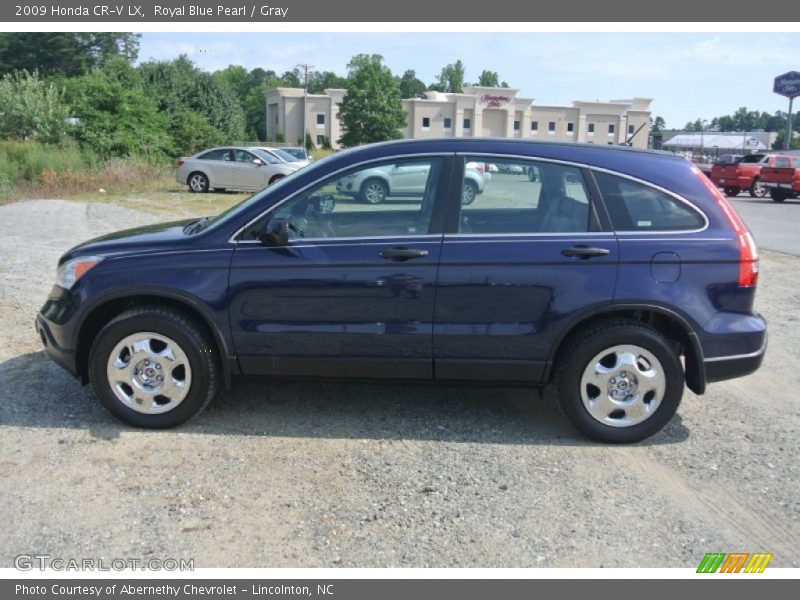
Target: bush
(31,109)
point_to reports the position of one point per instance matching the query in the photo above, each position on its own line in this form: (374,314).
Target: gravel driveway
(319,474)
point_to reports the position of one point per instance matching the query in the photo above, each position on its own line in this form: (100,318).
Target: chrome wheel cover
(374,192)
(623,385)
(197,182)
(149,373)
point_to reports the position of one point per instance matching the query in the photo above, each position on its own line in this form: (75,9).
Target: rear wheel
(757,190)
(777,195)
(620,382)
(731,191)
(153,367)
(198,183)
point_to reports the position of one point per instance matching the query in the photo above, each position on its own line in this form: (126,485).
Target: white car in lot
(375,185)
(285,156)
(232,168)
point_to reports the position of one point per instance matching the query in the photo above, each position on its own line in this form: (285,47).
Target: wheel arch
(116,303)
(382,178)
(667,322)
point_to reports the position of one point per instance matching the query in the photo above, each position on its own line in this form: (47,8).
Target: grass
(133,184)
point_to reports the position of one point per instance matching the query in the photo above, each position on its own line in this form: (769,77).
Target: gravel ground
(318,474)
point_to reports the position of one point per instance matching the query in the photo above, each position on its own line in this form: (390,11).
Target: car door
(218,165)
(249,174)
(516,264)
(409,178)
(350,295)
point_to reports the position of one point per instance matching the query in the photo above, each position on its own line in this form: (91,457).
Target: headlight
(72,270)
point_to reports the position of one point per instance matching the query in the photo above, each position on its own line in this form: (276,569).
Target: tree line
(88,88)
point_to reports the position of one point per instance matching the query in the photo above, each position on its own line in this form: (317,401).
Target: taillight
(748,252)
(180,163)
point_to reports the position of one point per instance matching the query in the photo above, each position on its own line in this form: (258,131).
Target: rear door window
(512,196)
(634,206)
(221,154)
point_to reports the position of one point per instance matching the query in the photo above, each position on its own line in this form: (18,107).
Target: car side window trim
(435,225)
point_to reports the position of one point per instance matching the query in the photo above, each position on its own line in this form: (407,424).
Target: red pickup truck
(742,175)
(782,177)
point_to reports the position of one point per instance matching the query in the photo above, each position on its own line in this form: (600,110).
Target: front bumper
(63,356)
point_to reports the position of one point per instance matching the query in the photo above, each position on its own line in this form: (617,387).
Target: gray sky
(689,75)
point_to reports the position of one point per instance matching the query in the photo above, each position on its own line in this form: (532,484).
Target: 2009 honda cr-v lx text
(618,275)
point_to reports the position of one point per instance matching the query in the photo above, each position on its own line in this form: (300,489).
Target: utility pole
(306,68)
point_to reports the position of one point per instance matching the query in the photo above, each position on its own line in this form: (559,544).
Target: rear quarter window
(634,206)
(783,162)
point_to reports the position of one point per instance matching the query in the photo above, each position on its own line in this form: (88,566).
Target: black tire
(275,179)
(198,182)
(373,191)
(583,348)
(469,193)
(757,190)
(731,191)
(191,339)
(777,195)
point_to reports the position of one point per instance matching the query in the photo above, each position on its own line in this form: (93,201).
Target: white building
(476,112)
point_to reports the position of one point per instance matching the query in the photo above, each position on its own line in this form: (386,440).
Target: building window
(320,119)
(611,129)
(320,140)
(551,127)
(535,126)
(570,127)
(590,130)
(448,123)
(516,125)
(630,129)
(426,122)
(467,123)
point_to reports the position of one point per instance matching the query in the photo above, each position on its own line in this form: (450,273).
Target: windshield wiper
(195,226)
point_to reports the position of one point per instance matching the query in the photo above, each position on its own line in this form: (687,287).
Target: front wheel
(276,179)
(153,367)
(469,193)
(777,195)
(620,382)
(757,190)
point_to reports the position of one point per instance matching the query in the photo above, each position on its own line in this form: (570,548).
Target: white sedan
(232,168)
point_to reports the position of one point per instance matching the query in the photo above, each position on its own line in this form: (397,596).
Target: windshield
(288,156)
(295,153)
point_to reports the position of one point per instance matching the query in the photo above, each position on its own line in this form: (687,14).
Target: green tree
(451,79)
(178,85)
(191,132)
(115,115)
(64,53)
(319,81)
(31,109)
(410,85)
(778,143)
(371,111)
(657,124)
(489,79)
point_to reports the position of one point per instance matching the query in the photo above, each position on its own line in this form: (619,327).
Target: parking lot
(323,474)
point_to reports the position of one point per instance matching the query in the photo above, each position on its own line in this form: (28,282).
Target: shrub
(31,109)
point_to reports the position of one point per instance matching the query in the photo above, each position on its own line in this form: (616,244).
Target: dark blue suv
(615,274)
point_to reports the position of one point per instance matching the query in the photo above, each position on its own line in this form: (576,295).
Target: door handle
(402,253)
(585,251)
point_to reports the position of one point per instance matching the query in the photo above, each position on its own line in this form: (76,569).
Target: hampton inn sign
(476,112)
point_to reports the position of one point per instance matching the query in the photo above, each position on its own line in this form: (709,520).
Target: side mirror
(258,162)
(276,233)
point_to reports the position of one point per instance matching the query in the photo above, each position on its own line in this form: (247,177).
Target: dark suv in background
(616,274)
